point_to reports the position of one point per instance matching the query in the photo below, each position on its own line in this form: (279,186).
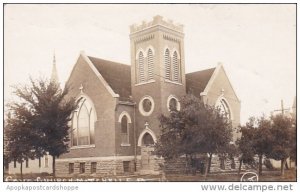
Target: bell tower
(157,70)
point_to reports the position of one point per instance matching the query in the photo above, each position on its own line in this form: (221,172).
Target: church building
(116,124)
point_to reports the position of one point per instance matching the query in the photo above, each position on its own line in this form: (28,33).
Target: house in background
(115,126)
(41,165)
(291,113)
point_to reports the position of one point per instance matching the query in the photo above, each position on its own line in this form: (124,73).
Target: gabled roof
(118,78)
(117,75)
(196,82)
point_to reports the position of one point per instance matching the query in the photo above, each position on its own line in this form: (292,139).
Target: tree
(246,143)
(262,142)
(50,113)
(273,138)
(196,129)
(19,134)
(293,142)
(282,143)
(169,144)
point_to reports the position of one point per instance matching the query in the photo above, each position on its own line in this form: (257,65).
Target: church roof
(197,81)
(117,75)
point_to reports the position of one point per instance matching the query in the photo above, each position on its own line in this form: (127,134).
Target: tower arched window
(150,64)
(175,63)
(141,67)
(83,124)
(167,65)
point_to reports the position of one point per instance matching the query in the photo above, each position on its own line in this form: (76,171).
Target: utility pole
(282,108)
(282,112)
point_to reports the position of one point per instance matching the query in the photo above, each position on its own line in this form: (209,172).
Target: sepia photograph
(150,93)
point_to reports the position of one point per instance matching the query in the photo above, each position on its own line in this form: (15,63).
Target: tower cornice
(154,28)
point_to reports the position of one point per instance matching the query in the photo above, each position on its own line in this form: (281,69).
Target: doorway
(147,156)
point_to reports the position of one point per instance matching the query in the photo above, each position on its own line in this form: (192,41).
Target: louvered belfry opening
(141,67)
(167,65)
(150,65)
(175,67)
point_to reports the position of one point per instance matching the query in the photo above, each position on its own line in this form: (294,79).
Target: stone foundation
(180,165)
(176,166)
(216,165)
(111,167)
(103,167)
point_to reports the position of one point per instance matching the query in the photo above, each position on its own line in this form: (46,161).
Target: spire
(294,107)
(54,76)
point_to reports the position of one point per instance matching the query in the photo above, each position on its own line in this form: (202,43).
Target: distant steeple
(294,107)
(54,76)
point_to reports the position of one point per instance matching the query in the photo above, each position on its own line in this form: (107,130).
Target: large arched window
(141,67)
(175,64)
(224,108)
(167,65)
(83,124)
(150,64)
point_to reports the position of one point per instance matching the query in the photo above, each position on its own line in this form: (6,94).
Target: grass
(290,175)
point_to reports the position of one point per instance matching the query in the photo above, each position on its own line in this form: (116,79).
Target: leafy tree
(19,135)
(282,142)
(293,142)
(272,138)
(196,129)
(169,144)
(246,143)
(262,140)
(49,115)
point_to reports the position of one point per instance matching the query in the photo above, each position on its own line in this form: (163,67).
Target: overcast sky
(255,43)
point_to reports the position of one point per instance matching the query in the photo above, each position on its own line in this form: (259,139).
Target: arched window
(150,64)
(83,124)
(224,108)
(141,67)
(124,125)
(173,104)
(167,65)
(175,64)
(125,122)
(124,130)
(74,129)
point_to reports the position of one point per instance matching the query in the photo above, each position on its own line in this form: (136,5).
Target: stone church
(115,126)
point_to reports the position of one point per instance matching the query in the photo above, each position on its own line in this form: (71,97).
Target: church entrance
(147,156)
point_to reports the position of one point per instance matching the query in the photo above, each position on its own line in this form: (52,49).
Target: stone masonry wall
(180,165)
(103,168)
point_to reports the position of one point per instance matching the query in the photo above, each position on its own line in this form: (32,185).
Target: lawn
(290,175)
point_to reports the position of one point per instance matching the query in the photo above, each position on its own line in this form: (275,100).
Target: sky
(255,43)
